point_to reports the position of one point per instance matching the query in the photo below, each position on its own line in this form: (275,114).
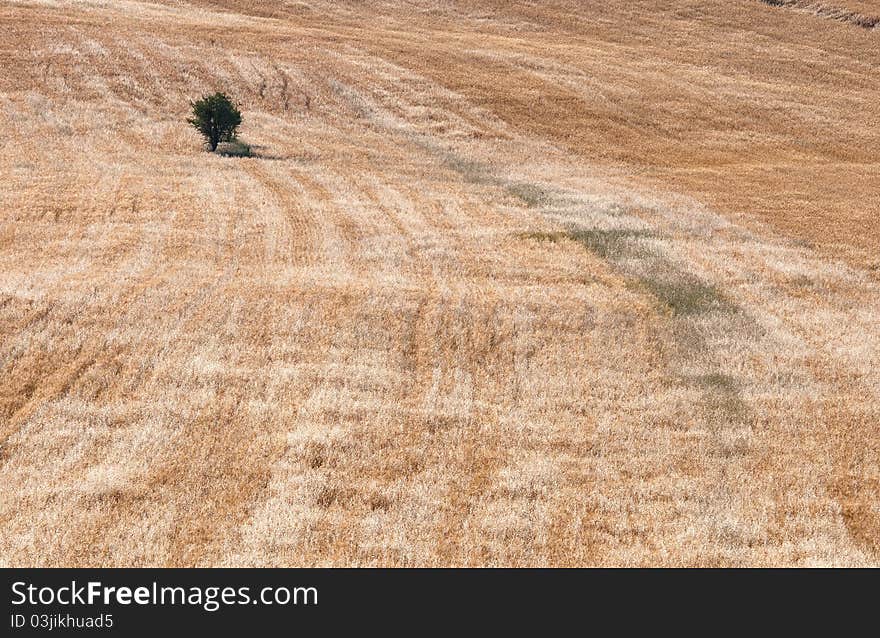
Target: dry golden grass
(558,283)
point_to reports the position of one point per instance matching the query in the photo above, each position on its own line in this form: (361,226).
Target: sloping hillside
(558,283)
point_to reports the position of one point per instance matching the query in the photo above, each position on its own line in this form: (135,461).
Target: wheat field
(503,283)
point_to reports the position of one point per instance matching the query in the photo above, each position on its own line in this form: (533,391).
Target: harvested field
(560,283)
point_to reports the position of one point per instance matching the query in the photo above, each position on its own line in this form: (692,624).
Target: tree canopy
(216,118)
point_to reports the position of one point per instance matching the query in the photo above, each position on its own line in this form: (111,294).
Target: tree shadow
(240,149)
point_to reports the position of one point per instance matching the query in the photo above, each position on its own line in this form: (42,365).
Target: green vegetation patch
(686,295)
(472,171)
(531,195)
(611,244)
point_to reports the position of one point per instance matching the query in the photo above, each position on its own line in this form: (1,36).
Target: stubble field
(557,283)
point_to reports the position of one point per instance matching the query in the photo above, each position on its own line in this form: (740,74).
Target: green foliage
(216,118)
